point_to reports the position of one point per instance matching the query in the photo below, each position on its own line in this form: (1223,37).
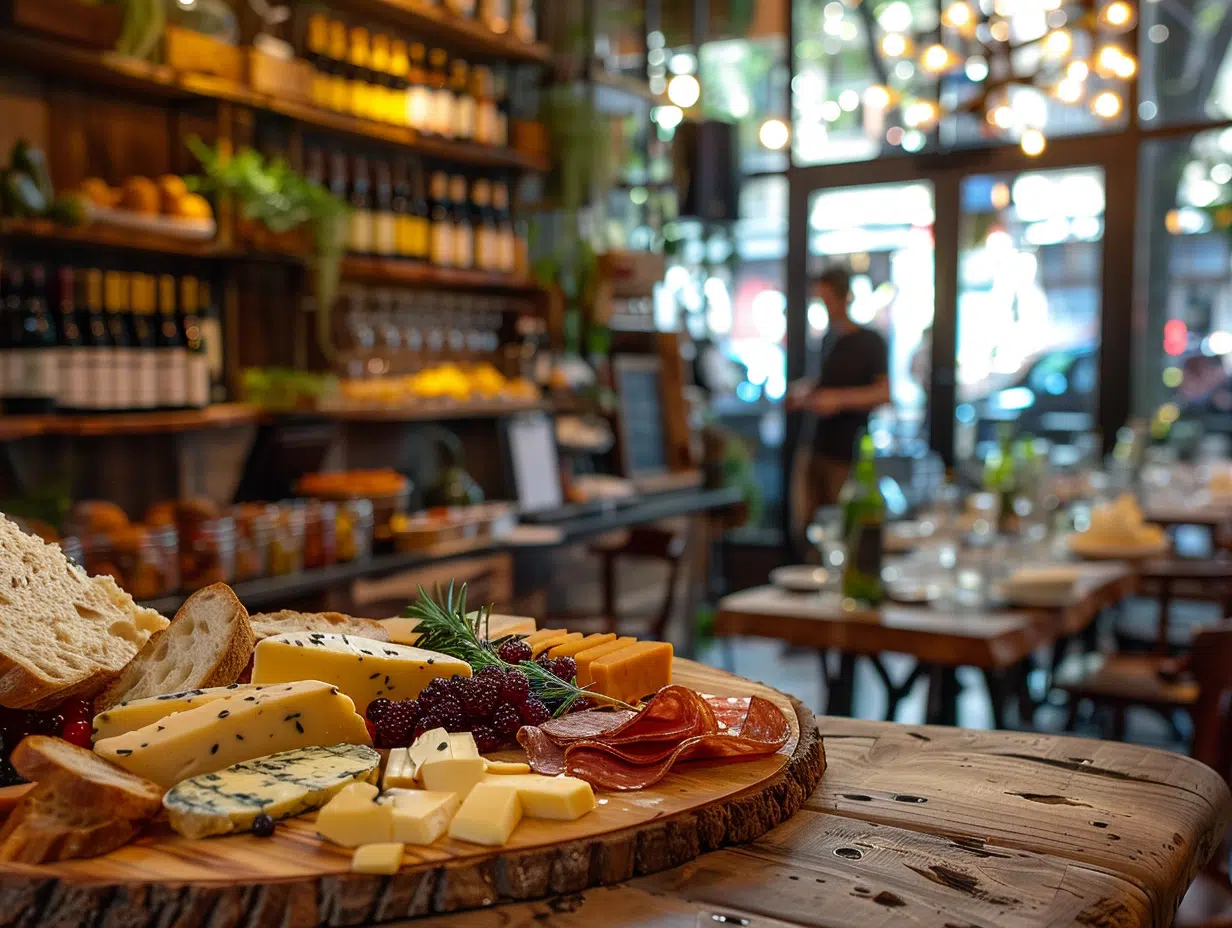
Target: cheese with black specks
(280,786)
(137,713)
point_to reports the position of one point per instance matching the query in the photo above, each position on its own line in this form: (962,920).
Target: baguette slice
(208,644)
(89,779)
(50,824)
(62,632)
(272,624)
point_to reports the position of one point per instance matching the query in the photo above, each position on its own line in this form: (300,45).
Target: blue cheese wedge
(126,716)
(362,668)
(227,731)
(280,786)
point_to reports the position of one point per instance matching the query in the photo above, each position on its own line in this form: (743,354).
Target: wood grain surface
(295,878)
(939,828)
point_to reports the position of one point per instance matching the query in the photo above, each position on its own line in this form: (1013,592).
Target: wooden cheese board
(295,878)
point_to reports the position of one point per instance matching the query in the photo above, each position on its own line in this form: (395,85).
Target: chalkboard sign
(639,389)
(535,462)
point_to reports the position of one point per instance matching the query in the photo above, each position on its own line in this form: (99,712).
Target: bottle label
(442,113)
(147,379)
(37,373)
(359,239)
(419,108)
(386,234)
(485,249)
(173,378)
(485,123)
(101,386)
(211,334)
(47,376)
(506,258)
(442,244)
(198,381)
(464,117)
(418,230)
(463,246)
(123,379)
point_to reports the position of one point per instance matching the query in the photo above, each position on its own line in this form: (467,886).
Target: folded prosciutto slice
(632,750)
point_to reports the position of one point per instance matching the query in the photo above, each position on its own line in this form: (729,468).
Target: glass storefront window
(883,234)
(1028,305)
(1186,52)
(743,82)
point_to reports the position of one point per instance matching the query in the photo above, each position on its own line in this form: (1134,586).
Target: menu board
(639,389)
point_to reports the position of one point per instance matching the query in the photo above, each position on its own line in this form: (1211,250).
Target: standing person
(853,382)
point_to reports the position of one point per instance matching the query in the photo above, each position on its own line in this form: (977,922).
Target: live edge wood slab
(934,827)
(294,879)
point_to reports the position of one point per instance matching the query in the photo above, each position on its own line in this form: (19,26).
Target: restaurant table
(938,828)
(996,641)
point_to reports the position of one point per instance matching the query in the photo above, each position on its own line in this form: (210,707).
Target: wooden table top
(930,826)
(988,639)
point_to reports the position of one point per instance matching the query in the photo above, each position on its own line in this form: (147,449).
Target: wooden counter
(928,826)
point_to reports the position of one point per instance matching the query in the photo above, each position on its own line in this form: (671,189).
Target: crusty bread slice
(50,824)
(268,625)
(91,779)
(208,643)
(62,632)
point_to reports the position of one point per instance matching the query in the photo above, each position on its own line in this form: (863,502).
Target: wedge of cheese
(362,668)
(237,728)
(551,641)
(280,786)
(570,648)
(583,658)
(488,815)
(420,816)
(403,630)
(381,859)
(354,817)
(633,672)
(543,633)
(138,713)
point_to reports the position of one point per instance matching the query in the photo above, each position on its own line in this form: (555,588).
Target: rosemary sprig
(445,626)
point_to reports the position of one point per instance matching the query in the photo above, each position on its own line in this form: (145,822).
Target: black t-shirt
(856,358)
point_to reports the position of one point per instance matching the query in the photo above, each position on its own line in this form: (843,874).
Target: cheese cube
(280,786)
(362,668)
(421,816)
(560,798)
(237,728)
(382,859)
(583,658)
(399,770)
(544,644)
(488,815)
(453,774)
(570,648)
(126,716)
(505,767)
(354,817)
(633,672)
(462,744)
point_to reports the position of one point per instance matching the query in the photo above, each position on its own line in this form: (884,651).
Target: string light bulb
(921,114)
(1106,104)
(937,58)
(958,15)
(1118,15)
(684,90)
(1108,61)
(1077,70)
(1033,142)
(1058,43)
(878,97)
(1001,116)
(1068,90)
(774,134)
(895,45)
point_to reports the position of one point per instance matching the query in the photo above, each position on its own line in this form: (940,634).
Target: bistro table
(996,641)
(938,828)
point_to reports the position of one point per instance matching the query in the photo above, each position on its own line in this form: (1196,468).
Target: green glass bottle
(999,480)
(863,525)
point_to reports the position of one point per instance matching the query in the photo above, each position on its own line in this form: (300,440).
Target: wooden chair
(645,542)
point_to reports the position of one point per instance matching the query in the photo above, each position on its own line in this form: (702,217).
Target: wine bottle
(384,224)
(317,53)
(100,366)
(35,386)
(441,119)
(506,244)
(400,207)
(172,349)
(486,237)
(418,95)
(463,227)
(359,76)
(211,332)
(339,67)
(420,222)
(442,244)
(463,107)
(863,527)
(74,357)
(10,329)
(124,362)
(485,105)
(142,321)
(379,90)
(399,69)
(197,386)
(359,238)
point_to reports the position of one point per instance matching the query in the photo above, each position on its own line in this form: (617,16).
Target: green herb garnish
(445,627)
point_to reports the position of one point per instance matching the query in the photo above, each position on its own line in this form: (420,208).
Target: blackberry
(435,689)
(263,826)
(506,721)
(376,707)
(449,714)
(533,712)
(481,697)
(486,738)
(515,688)
(565,668)
(492,670)
(396,724)
(514,651)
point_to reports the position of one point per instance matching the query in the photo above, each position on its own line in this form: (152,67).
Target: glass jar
(254,532)
(143,561)
(210,557)
(355,528)
(320,534)
(287,545)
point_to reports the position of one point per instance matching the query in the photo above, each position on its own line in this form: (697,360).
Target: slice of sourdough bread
(62,632)
(270,624)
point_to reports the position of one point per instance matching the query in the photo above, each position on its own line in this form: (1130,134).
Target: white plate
(800,578)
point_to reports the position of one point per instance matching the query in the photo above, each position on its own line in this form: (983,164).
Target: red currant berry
(79,733)
(77,710)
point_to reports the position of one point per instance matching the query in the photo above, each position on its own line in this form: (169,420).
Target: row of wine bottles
(89,340)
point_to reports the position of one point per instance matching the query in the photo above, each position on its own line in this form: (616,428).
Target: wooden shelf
(392,270)
(104,236)
(432,411)
(222,415)
(455,32)
(120,73)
